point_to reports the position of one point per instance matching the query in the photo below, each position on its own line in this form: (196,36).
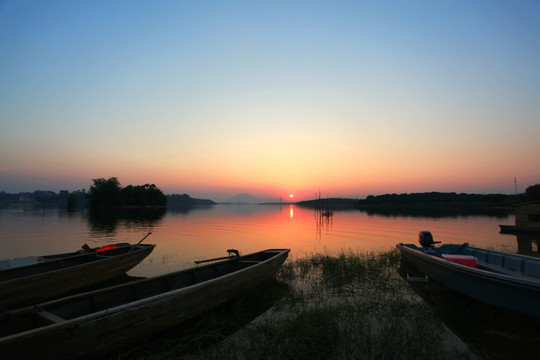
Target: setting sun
(276,122)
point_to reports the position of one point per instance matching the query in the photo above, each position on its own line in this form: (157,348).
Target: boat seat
(481,255)
(50,317)
(527,275)
(513,263)
(532,268)
(495,259)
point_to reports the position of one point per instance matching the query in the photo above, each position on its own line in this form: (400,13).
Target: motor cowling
(425,238)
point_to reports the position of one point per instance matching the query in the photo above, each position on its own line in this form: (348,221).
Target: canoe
(95,322)
(51,276)
(510,281)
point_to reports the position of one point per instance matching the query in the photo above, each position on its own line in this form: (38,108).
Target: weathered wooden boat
(51,276)
(510,281)
(91,323)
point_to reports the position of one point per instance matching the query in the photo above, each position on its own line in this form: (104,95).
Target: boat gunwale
(134,249)
(96,316)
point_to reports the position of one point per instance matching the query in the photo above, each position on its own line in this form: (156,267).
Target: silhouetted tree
(105,193)
(145,195)
(71,202)
(533,192)
(45,197)
(108,193)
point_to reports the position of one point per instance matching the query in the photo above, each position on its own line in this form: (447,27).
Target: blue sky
(215,98)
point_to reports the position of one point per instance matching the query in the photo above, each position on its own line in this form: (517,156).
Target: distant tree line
(106,193)
(64,198)
(328,203)
(109,193)
(436,198)
(186,201)
(450,199)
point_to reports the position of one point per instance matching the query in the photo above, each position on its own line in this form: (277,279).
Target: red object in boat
(466,260)
(106,247)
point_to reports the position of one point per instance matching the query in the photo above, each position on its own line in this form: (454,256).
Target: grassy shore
(323,306)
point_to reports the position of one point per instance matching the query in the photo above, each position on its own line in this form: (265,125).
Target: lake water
(183,237)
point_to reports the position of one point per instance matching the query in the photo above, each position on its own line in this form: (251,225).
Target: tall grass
(336,306)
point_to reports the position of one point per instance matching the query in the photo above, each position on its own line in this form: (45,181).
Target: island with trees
(109,193)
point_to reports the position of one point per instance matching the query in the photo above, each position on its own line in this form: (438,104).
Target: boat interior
(91,302)
(507,264)
(521,266)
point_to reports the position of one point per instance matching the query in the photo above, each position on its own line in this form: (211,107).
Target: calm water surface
(183,237)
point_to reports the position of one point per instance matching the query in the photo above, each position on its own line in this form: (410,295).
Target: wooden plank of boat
(60,274)
(510,281)
(90,323)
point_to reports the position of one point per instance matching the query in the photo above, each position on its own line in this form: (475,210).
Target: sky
(271,98)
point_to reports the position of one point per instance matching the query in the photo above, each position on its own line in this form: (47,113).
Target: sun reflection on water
(182,237)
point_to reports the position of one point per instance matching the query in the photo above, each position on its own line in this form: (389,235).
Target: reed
(323,306)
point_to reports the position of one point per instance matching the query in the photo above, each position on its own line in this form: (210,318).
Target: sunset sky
(272,98)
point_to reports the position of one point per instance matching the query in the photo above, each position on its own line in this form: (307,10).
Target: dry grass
(343,306)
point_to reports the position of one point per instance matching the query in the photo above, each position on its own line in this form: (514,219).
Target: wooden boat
(51,276)
(510,281)
(90,323)
(514,229)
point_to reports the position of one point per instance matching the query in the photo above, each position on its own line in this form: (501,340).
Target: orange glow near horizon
(402,175)
(182,239)
(341,172)
(269,124)
(340,169)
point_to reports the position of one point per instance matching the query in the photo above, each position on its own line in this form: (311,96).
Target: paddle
(145,236)
(140,241)
(230,251)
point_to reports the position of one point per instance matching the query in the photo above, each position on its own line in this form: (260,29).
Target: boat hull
(124,323)
(50,279)
(506,290)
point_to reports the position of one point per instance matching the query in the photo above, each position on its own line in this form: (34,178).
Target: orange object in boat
(461,259)
(106,247)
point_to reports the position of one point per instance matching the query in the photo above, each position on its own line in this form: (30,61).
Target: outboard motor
(426,239)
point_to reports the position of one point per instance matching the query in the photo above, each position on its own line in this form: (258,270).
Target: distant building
(527,219)
(528,215)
